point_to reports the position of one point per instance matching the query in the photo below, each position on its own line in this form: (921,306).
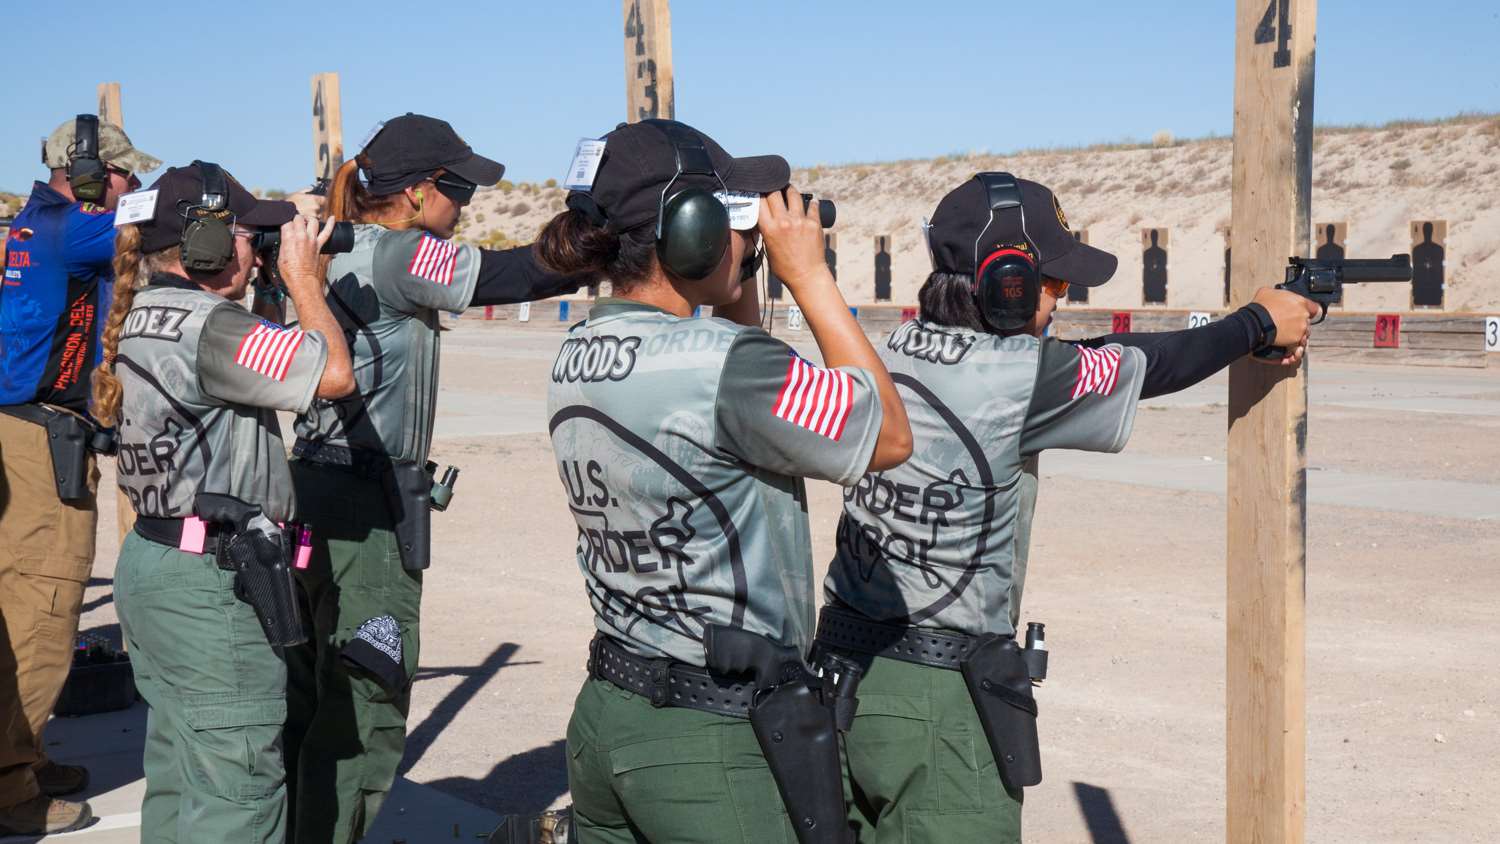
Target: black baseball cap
(409,148)
(181,188)
(640,159)
(962,216)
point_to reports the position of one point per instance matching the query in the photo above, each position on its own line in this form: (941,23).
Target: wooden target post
(327,125)
(109,104)
(648,61)
(1267,503)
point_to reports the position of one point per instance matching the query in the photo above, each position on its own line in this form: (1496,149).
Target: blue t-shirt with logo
(56,292)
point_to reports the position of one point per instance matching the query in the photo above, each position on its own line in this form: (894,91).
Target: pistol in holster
(70,440)
(797,716)
(412,492)
(260,555)
(999,683)
(408,494)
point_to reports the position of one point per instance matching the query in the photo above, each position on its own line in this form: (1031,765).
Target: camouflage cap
(114,148)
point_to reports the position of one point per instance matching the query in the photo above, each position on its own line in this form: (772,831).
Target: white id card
(137,207)
(744,208)
(585,164)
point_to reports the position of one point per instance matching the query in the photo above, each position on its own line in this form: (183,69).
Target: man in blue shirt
(53,300)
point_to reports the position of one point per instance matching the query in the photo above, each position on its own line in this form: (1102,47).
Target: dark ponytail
(570,244)
(948,299)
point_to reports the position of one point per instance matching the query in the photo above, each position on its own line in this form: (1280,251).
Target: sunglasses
(458,190)
(1058,289)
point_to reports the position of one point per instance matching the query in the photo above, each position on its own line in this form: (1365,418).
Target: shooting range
(1269,615)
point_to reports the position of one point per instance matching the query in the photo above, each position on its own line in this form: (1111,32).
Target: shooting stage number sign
(794,318)
(1388,331)
(1198,319)
(1492,334)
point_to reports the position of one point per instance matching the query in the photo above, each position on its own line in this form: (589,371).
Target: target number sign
(1198,319)
(1492,334)
(794,318)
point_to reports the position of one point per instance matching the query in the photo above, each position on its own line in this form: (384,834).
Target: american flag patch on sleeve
(1098,371)
(435,260)
(815,398)
(268,349)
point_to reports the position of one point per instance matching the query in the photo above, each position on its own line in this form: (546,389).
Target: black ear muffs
(692,226)
(86,174)
(694,234)
(207,239)
(1007,283)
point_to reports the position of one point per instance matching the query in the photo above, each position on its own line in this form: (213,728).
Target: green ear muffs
(694,234)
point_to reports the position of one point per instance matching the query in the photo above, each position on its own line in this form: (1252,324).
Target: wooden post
(648,60)
(328,126)
(1267,536)
(109,104)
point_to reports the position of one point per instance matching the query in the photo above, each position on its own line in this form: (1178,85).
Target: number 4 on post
(1276,27)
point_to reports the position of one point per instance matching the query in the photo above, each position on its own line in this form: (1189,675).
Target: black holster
(260,554)
(68,440)
(1000,686)
(408,494)
(795,721)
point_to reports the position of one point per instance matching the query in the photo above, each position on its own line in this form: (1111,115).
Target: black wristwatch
(1265,323)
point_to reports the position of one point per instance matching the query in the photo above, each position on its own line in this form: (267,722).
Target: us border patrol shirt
(57,289)
(942,540)
(682,445)
(386,294)
(203,379)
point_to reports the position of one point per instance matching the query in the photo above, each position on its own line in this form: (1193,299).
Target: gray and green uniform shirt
(941,541)
(682,445)
(386,294)
(203,379)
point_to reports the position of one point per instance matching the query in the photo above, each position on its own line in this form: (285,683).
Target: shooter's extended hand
(1293,316)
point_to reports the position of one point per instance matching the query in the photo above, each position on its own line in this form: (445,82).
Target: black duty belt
(367,464)
(847,631)
(169,532)
(666,682)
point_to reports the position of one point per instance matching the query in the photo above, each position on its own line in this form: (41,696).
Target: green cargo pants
(919,767)
(217,692)
(667,775)
(345,733)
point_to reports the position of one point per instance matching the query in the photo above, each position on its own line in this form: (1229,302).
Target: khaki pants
(46,554)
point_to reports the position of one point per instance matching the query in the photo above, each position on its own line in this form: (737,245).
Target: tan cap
(114,148)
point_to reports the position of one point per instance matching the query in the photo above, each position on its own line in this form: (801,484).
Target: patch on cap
(1061,217)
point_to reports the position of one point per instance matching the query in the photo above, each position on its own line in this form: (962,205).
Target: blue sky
(818,82)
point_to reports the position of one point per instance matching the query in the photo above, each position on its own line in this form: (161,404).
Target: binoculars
(827,213)
(268,241)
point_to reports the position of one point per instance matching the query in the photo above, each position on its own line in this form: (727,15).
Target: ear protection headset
(207,241)
(1008,274)
(86,173)
(692,226)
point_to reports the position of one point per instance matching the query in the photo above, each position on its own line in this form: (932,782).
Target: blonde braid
(128,277)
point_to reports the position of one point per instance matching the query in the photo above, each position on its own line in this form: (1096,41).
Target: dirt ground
(1403,704)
